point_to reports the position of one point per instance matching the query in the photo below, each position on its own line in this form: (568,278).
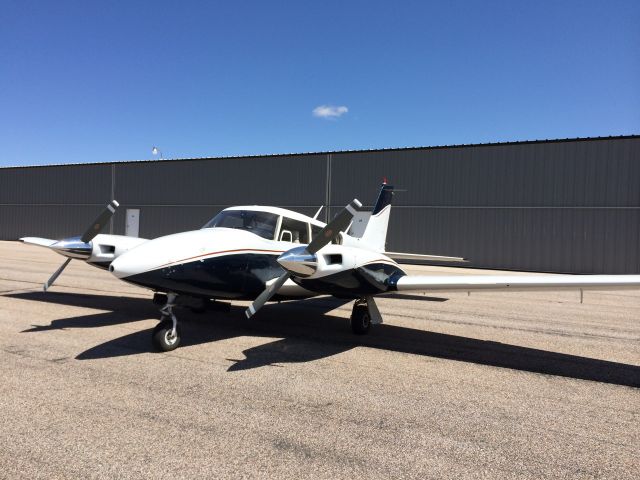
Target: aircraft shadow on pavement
(120,309)
(308,333)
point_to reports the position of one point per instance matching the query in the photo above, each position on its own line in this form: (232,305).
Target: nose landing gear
(166,335)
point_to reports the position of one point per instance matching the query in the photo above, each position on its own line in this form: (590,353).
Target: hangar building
(568,205)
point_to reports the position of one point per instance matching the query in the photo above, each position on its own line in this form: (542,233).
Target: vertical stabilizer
(375,234)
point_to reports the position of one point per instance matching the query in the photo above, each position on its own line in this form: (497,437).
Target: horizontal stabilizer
(42,242)
(423,258)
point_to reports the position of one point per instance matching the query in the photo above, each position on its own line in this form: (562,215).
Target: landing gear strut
(166,335)
(365,313)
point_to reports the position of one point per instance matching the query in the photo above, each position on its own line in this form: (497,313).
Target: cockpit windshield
(260,223)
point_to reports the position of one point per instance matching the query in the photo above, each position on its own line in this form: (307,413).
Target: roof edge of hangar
(335,152)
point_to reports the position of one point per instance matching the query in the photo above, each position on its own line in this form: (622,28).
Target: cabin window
(294,231)
(260,223)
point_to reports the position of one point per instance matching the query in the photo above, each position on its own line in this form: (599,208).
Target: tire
(161,338)
(360,320)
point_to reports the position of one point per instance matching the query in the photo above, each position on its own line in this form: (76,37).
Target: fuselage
(236,263)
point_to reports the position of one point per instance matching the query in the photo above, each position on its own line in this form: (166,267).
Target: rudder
(375,234)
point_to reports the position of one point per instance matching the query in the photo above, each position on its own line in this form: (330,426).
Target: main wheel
(162,339)
(360,319)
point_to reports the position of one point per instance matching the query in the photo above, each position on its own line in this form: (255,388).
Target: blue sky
(89,81)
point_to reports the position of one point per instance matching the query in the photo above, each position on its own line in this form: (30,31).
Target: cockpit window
(260,223)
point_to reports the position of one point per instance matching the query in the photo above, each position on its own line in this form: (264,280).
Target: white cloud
(329,111)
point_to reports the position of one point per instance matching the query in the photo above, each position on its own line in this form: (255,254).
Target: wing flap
(516,282)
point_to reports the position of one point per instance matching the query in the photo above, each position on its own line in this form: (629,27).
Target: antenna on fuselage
(315,217)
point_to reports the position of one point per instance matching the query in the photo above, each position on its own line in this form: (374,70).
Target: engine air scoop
(299,262)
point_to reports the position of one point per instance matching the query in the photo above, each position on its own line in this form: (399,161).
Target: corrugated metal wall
(563,206)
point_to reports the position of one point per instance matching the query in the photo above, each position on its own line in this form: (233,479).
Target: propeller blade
(266,295)
(331,230)
(55,275)
(100,222)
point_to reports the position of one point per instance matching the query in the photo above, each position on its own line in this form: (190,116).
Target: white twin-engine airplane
(267,253)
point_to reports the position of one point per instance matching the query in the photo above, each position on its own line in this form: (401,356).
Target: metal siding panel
(73,184)
(518,206)
(554,240)
(282,181)
(47,221)
(552,174)
(165,220)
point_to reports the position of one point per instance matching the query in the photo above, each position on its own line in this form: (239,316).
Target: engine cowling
(329,260)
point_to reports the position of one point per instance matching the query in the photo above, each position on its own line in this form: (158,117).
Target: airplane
(263,254)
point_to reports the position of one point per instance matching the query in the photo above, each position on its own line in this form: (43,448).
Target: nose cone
(299,262)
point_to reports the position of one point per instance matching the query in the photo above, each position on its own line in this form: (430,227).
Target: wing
(515,282)
(42,242)
(424,258)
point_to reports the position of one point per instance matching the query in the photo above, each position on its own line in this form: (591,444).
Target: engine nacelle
(106,248)
(327,261)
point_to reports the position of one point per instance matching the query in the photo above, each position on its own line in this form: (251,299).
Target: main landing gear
(364,314)
(166,335)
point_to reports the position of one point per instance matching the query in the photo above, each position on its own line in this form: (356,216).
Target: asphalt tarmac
(491,385)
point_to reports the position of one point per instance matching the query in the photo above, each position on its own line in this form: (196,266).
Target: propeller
(100,222)
(331,230)
(75,247)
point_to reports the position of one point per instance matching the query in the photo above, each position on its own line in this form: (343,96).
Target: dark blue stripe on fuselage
(243,277)
(239,276)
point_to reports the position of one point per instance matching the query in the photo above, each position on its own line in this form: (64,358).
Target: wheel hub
(170,338)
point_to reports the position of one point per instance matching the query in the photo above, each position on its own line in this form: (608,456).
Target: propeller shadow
(306,333)
(86,300)
(120,309)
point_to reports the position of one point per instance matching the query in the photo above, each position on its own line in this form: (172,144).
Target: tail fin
(375,234)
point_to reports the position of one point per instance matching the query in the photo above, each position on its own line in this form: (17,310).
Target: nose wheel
(166,335)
